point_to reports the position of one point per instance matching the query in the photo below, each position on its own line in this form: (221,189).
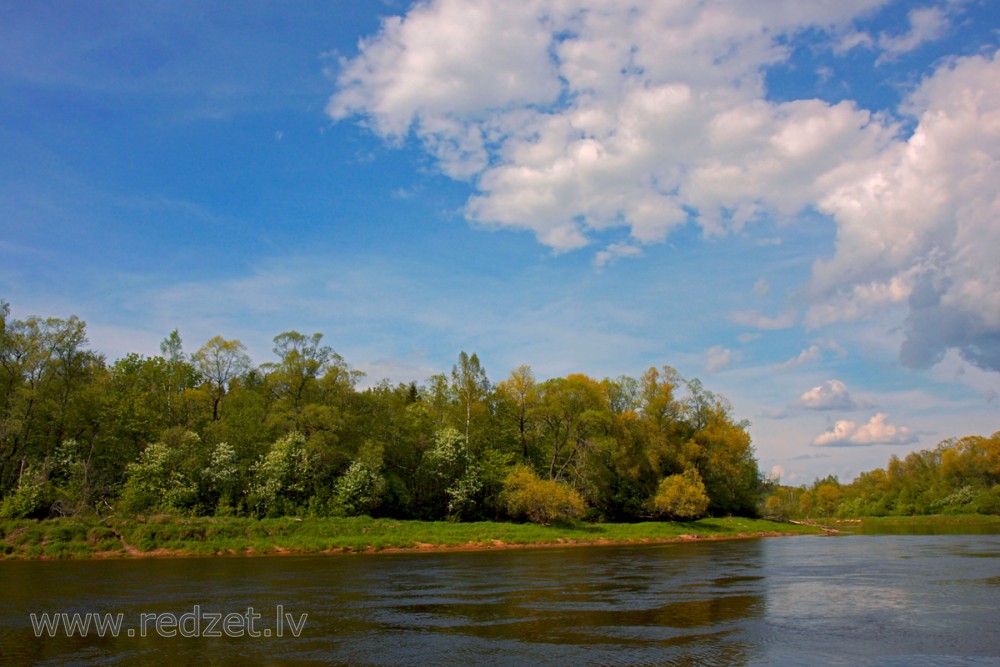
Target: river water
(837,600)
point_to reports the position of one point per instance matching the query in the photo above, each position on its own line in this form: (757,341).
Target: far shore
(175,537)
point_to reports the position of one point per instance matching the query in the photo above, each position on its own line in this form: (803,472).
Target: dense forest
(957,477)
(211,433)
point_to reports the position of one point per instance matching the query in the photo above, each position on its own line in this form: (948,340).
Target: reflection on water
(852,600)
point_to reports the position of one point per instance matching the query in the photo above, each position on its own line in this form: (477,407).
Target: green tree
(572,414)
(163,478)
(221,361)
(453,474)
(45,373)
(471,387)
(359,490)
(520,392)
(281,478)
(175,379)
(221,479)
(294,379)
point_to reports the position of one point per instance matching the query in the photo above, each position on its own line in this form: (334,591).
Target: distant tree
(520,391)
(471,386)
(221,361)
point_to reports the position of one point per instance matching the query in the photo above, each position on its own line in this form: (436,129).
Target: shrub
(281,477)
(542,501)
(28,500)
(681,496)
(359,491)
(156,482)
(988,501)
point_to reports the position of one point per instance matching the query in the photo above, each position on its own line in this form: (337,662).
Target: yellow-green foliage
(957,477)
(540,500)
(681,496)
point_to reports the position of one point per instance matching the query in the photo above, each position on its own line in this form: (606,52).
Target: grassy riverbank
(916,522)
(188,536)
(936,519)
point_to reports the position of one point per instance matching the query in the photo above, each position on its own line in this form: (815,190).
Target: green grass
(178,536)
(936,519)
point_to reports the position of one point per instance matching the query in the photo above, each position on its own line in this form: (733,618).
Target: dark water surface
(841,600)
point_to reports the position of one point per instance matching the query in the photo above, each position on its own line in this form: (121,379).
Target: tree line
(212,433)
(959,476)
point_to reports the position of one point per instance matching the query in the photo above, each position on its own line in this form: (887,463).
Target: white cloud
(831,395)
(811,353)
(575,119)
(853,39)
(720,358)
(757,320)
(859,301)
(953,369)
(917,224)
(926,24)
(615,251)
(877,431)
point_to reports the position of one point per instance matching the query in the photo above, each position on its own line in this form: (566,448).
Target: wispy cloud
(926,24)
(614,252)
(720,358)
(757,320)
(811,353)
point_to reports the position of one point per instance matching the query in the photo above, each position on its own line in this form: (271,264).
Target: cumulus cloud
(574,117)
(917,224)
(831,395)
(575,120)
(877,431)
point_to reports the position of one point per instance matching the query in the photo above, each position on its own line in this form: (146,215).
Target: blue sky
(795,202)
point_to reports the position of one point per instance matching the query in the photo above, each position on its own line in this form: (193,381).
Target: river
(837,600)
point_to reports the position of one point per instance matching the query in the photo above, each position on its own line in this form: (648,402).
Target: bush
(359,491)
(542,501)
(157,482)
(681,496)
(281,478)
(988,501)
(26,501)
